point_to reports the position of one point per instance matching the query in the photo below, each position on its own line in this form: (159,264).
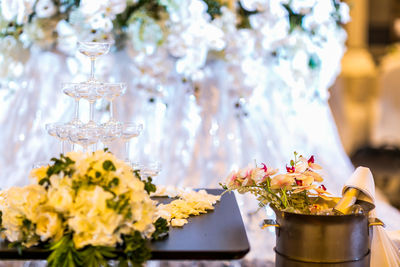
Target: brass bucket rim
(365,204)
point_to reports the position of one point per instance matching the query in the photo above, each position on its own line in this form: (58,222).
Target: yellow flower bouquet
(82,207)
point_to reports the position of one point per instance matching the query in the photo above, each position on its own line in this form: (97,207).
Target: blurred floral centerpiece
(296,39)
(298,190)
(83,206)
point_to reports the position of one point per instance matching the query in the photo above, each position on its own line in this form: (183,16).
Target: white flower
(252,5)
(66,37)
(300,61)
(101,22)
(40,32)
(12,57)
(108,8)
(303,6)
(144,32)
(18,10)
(45,8)
(344,12)
(321,13)
(192,36)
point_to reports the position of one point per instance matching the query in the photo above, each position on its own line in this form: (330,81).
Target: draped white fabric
(198,136)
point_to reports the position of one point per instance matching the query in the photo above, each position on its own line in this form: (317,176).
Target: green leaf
(244,21)
(295,19)
(162,229)
(61,165)
(108,165)
(97,256)
(135,249)
(113,182)
(213,8)
(149,186)
(18,245)
(137,174)
(123,262)
(314,62)
(44,181)
(64,253)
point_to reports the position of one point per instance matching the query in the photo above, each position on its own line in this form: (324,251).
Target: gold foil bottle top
(344,206)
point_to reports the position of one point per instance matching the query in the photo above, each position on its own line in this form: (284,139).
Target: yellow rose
(49,226)
(38,173)
(12,222)
(60,198)
(109,221)
(18,204)
(98,230)
(82,239)
(27,199)
(91,200)
(80,223)
(97,239)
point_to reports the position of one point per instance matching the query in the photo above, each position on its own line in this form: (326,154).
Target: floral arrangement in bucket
(82,208)
(298,190)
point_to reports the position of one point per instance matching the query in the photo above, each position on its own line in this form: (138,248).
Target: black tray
(217,235)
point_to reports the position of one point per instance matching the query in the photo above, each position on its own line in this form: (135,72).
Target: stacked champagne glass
(88,135)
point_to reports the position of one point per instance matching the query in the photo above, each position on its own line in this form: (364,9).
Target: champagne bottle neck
(344,206)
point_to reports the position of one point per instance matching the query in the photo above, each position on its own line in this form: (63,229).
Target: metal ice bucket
(323,240)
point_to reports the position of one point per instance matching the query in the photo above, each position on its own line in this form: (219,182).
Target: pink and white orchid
(249,176)
(282,181)
(282,190)
(305,164)
(233,181)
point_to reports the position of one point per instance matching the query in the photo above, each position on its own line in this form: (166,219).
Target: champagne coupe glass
(51,129)
(84,136)
(109,133)
(110,91)
(93,50)
(62,132)
(129,131)
(151,169)
(88,92)
(70,90)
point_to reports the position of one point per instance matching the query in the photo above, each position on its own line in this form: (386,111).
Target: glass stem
(127,151)
(76,109)
(92,61)
(62,147)
(111,110)
(91,112)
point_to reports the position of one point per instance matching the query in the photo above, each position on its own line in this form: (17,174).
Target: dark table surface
(217,235)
